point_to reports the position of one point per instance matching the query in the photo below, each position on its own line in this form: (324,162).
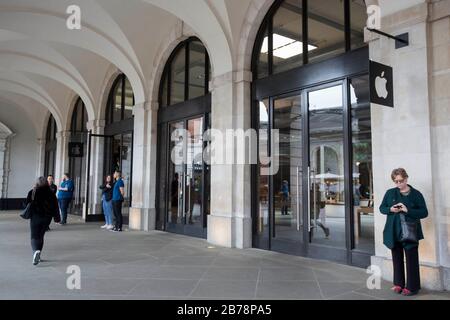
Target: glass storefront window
(281,38)
(190,60)
(262,63)
(117,107)
(326,29)
(197,69)
(287,37)
(363,198)
(358,17)
(177,77)
(262,224)
(121,101)
(129,100)
(50,147)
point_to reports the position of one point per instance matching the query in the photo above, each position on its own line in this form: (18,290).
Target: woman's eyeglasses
(399,181)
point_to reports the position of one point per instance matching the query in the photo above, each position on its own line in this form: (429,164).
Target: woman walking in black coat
(46,208)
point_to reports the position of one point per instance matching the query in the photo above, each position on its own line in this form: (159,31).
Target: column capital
(146,106)
(63,135)
(95,124)
(232,76)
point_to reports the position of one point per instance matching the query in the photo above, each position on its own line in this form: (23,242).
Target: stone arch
(178,34)
(111,76)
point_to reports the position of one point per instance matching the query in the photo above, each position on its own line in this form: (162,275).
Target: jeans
(38,226)
(64,206)
(117,209)
(412,267)
(107,210)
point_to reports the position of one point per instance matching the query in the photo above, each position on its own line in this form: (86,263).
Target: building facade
(141,79)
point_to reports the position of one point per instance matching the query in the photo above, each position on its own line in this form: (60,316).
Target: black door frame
(305,79)
(184,111)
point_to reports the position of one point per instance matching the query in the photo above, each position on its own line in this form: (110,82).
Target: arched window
(298,32)
(186,74)
(120,101)
(79,117)
(50,147)
(77,165)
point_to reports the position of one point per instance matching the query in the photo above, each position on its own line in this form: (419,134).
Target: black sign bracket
(401,40)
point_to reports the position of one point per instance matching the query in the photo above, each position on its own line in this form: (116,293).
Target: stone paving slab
(160,265)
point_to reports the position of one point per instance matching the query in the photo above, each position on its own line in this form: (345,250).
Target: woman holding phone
(403,199)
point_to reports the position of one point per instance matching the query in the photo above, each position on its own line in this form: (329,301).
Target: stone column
(3,171)
(95,168)
(62,155)
(40,164)
(5,141)
(402,135)
(142,211)
(229,223)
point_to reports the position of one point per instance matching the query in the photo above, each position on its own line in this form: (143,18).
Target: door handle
(298,200)
(309,199)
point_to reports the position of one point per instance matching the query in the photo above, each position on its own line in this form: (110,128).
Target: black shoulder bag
(30,209)
(409,230)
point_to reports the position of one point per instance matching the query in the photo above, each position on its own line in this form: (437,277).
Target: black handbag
(409,230)
(30,208)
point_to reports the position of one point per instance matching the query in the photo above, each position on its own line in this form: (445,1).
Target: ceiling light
(284,47)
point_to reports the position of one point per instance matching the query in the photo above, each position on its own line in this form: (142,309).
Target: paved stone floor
(159,265)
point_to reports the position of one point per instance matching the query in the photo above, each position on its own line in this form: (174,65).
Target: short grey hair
(41,182)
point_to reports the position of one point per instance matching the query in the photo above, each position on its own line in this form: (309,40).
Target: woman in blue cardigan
(403,199)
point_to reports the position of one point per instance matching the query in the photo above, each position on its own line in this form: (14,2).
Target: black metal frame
(77,130)
(301,80)
(184,111)
(168,68)
(268,23)
(50,145)
(110,103)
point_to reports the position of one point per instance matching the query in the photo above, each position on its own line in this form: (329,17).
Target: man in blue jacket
(65,195)
(117,200)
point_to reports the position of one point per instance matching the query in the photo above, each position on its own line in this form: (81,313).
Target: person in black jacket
(51,183)
(46,208)
(107,193)
(54,188)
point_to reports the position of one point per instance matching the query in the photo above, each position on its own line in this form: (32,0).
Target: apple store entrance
(319,201)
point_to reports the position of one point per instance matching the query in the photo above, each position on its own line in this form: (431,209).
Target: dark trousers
(412,267)
(64,207)
(38,226)
(117,209)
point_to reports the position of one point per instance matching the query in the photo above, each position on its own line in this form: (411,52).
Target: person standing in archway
(117,200)
(65,196)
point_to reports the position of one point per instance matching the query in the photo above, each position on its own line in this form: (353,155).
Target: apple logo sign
(380,86)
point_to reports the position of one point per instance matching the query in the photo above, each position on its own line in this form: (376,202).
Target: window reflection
(362,165)
(177,77)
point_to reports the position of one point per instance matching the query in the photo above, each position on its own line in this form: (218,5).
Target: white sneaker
(109,227)
(104,226)
(36,257)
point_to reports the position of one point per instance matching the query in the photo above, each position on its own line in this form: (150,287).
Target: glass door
(287,184)
(186,176)
(327,222)
(307,194)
